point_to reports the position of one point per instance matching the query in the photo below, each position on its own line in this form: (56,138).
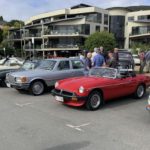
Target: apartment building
(130,25)
(59,32)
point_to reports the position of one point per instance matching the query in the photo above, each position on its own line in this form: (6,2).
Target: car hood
(73,84)
(30,73)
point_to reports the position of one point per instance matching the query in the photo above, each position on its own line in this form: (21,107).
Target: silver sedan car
(45,75)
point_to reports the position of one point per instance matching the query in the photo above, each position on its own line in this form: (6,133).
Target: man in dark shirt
(111,62)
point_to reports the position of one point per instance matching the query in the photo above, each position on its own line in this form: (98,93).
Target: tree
(15,23)
(97,39)
(1,35)
(136,47)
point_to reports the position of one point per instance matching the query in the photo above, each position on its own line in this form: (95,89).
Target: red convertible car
(102,84)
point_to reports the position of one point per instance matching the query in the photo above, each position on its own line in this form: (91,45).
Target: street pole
(33,47)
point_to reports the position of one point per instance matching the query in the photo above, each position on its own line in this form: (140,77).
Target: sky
(24,9)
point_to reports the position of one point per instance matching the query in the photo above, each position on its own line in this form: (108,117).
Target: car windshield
(124,56)
(103,72)
(47,64)
(29,65)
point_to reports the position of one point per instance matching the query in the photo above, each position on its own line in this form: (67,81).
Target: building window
(97,28)
(106,19)
(131,18)
(86,29)
(144,17)
(94,17)
(140,30)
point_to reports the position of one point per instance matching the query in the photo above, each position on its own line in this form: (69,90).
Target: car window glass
(63,65)
(125,55)
(28,65)
(47,64)
(76,64)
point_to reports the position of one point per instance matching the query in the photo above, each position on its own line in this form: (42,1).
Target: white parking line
(78,127)
(22,105)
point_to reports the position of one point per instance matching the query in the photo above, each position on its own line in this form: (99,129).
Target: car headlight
(81,89)
(56,84)
(149,100)
(21,79)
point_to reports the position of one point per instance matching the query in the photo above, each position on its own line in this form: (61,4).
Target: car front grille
(63,92)
(11,79)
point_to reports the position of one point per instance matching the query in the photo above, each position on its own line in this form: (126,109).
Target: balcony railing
(62,32)
(38,34)
(27,47)
(62,46)
(14,37)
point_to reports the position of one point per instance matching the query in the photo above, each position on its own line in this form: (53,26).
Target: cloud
(23,9)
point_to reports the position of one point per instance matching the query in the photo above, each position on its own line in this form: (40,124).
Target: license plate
(58,98)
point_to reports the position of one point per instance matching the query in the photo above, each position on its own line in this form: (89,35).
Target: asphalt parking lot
(40,123)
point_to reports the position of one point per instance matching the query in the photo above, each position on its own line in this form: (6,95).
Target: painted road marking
(78,127)
(22,105)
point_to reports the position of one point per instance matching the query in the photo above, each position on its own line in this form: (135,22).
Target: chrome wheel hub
(95,100)
(37,88)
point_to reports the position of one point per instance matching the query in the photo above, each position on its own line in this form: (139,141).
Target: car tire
(20,90)
(3,84)
(37,88)
(140,91)
(94,101)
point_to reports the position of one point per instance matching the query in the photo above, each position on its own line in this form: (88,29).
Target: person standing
(94,54)
(88,62)
(142,61)
(103,53)
(116,54)
(111,62)
(147,61)
(98,60)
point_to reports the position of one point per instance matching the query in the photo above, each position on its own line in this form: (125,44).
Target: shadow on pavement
(71,146)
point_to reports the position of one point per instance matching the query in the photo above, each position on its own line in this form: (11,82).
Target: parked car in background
(125,59)
(101,85)
(2,61)
(136,59)
(46,74)
(11,63)
(27,65)
(11,60)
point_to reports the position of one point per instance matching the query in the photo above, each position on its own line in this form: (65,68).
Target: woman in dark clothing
(88,62)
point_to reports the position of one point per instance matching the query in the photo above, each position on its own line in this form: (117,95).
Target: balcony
(15,37)
(29,35)
(140,31)
(62,47)
(28,47)
(62,33)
